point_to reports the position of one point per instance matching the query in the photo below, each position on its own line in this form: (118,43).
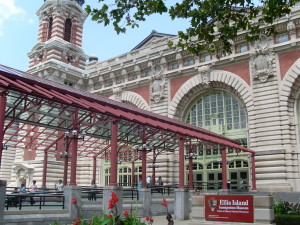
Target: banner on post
(231,208)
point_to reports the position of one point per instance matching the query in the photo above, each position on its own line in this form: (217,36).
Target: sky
(19,31)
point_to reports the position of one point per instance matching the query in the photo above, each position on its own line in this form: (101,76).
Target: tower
(58,54)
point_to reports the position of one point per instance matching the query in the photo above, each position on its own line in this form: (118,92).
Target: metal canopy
(39,111)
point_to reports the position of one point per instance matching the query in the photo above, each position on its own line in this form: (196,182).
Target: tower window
(50,28)
(68,30)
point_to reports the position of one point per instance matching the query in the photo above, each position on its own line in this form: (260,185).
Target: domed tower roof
(80,2)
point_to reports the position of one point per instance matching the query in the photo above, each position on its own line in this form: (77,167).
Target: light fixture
(190,155)
(143,147)
(4,146)
(154,165)
(64,154)
(74,134)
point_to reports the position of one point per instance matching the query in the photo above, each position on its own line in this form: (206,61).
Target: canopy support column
(74,152)
(3,100)
(132,173)
(66,163)
(181,163)
(144,165)
(153,167)
(191,180)
(44,180)
(224,169)
(253,172)
(114,154)
(94,168)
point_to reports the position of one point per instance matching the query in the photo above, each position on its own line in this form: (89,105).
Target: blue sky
(19,29)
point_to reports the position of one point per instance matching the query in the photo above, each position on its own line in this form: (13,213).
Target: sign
(231,208)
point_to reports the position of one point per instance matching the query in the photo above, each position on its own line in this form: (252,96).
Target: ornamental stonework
(262,60)
(204,71)
(158,83)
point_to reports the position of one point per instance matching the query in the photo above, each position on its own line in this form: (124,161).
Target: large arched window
(68,30)
(298,120)
(221,113)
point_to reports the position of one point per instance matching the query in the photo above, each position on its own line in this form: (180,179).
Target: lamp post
(144,148)
(66,156)
(190,156)
(73,137)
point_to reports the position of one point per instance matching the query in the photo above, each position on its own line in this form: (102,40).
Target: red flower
(111,204)
(165,203)
(74,201)
(149,218)
(109,216)
(125,213)
(114,197)
(76,221)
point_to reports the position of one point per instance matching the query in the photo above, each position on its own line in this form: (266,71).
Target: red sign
(232,208)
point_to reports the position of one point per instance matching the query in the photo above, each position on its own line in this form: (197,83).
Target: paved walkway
(161,220)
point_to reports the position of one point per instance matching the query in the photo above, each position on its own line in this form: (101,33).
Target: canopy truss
(38,112)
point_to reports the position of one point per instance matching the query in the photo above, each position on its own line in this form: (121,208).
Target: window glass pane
(173,66)
(132,76)
(242,48)
(205,57)
(189,61)
(282,38)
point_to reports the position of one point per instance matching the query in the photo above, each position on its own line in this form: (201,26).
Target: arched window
(221,113)
(50,28)
(68,30)
(298,120)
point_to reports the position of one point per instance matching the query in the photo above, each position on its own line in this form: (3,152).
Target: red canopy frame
(41,111)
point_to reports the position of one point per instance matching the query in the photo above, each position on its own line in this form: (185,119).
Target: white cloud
(30,20)
(9,11)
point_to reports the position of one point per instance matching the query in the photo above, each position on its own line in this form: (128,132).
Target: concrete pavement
(161,220)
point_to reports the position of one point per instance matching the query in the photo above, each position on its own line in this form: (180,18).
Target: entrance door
(238,180)
(198,181)
(214,180)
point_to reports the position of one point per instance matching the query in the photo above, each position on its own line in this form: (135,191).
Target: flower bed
(286,213)
(114,217)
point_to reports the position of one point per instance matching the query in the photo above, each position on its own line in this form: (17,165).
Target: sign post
(231,208)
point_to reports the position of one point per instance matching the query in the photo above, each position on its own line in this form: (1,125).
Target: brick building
(251,96)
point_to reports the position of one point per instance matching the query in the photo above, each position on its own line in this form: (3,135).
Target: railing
(232,186)
(163,189)
(131,193)
(92,194)
(20,200)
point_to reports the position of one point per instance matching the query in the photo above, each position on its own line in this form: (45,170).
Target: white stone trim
(133,98)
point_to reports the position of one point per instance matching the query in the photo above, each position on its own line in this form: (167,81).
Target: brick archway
(218,79)
(289,94)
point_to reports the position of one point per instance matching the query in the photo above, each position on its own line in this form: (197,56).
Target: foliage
(287,219)
(283,207)
(112,218)
(213,23)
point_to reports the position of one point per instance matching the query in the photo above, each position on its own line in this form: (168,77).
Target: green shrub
(282,207)
(287,219)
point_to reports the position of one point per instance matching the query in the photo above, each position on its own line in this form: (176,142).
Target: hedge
(285,219)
